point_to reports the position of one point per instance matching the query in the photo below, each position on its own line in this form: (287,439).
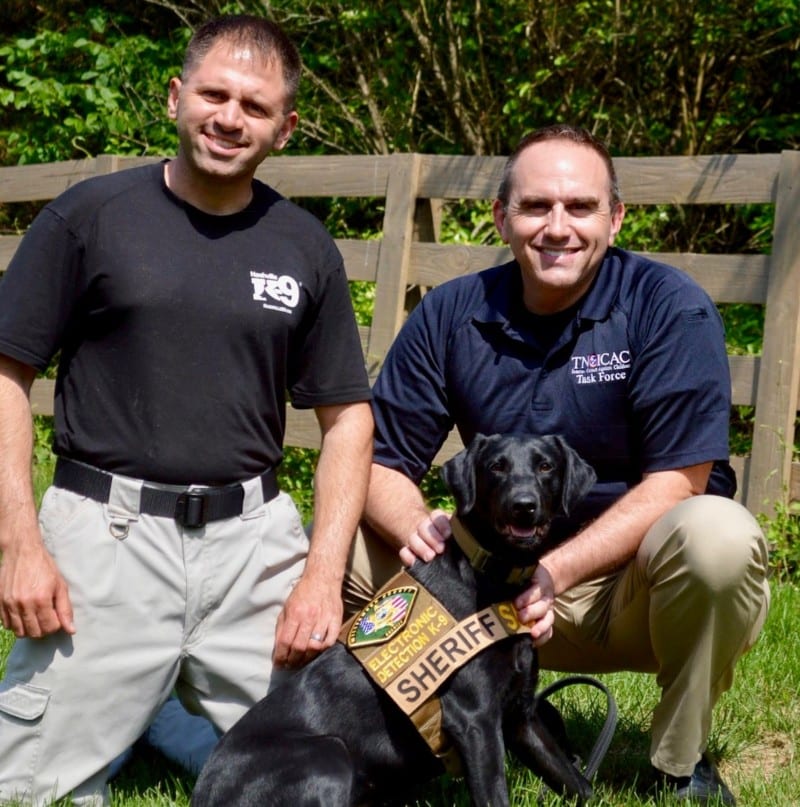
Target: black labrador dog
(332,736)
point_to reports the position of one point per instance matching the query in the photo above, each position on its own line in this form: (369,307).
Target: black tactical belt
(189,507)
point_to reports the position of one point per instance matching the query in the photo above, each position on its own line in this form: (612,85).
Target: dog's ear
(458,474)
(579,476)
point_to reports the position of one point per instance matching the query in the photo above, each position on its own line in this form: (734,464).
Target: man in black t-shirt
(184,299)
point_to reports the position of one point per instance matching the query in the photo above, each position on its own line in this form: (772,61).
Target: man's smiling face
(559,221)
(231,113)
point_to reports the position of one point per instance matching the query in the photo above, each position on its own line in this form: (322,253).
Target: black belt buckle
(191,509)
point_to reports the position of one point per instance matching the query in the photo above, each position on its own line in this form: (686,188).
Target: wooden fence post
(394,258)
(779,372)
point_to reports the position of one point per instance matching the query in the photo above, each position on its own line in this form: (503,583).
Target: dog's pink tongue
(518,532)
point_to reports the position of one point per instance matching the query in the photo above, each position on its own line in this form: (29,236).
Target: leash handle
(600,748)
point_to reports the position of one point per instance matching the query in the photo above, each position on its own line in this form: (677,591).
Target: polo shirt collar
(596,305)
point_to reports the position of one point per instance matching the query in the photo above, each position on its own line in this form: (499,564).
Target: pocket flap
(24,701)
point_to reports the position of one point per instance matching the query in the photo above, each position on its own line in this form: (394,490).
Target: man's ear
(499,213)
(617,216)
(288,126)
(172,97)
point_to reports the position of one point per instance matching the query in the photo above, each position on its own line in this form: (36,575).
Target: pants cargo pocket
(22,707)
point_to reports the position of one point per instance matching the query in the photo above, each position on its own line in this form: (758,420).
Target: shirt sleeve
(680,382)
(410,405)
(329,367)
(39,291)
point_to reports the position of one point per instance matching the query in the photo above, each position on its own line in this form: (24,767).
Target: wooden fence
(408,258)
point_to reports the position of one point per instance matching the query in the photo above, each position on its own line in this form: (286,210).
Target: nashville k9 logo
(277,292)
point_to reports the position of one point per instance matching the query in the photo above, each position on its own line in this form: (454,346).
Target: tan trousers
(157,607)
(687,607)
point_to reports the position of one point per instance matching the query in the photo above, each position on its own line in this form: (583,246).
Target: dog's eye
(545,467)
(498,466)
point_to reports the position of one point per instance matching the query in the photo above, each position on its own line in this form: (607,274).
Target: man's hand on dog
(535,606)
(427,539)
(309,622)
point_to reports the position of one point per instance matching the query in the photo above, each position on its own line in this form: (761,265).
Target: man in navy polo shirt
(626,359)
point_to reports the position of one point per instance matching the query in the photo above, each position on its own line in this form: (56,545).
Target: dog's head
(508,488)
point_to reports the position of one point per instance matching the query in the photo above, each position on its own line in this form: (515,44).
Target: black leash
(600,748)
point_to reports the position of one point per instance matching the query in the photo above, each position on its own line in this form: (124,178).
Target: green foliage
(90,89)
(43,458)
(296,477)
(783,537)
(435,491)
(744,327)
(363,295)
(458,76)
(6,641)
(468,222)
(651,77)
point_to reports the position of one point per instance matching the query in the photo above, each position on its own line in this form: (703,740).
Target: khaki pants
(156,607)
(692,601)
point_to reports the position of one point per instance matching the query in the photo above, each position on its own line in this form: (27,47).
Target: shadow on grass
(149,778)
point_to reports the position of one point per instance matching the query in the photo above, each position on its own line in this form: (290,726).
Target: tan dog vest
(410,644)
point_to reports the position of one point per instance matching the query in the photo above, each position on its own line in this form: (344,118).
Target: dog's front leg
(483,764)
(533,744)
(477,735)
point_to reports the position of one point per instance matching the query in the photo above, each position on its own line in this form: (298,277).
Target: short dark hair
(265,36)
(560,131)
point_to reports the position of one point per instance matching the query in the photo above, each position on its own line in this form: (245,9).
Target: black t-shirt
(181,333)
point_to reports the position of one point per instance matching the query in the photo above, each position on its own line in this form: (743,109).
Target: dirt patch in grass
(773,752)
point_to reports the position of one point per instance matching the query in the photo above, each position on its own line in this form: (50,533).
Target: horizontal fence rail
(407,258)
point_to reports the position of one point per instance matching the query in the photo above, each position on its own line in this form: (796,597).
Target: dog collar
(484,561)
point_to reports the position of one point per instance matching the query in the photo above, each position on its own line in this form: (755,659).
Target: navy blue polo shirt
(635,375)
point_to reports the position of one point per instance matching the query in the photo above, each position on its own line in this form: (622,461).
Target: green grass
(756,731)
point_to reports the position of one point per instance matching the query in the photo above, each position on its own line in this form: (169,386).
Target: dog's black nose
(523,509)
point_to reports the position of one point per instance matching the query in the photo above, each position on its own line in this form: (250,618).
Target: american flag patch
(383,617)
